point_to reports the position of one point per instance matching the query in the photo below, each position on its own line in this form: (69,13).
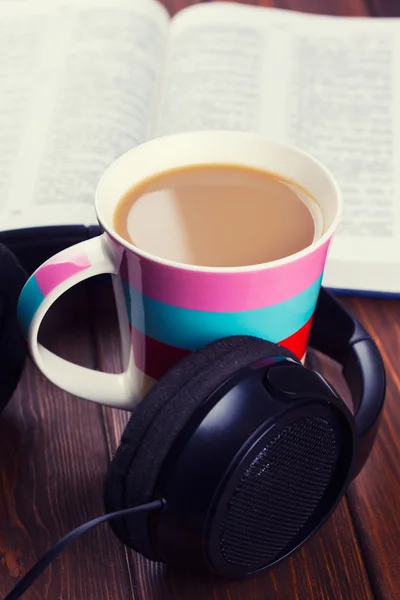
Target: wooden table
(54,451)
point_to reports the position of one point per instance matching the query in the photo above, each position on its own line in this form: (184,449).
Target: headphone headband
(340,336)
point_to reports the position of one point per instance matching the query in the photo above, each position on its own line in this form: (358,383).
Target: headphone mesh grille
(278,492)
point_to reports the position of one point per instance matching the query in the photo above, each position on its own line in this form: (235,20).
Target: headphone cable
(54,552)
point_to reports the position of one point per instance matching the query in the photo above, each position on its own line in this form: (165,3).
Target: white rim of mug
(245,268)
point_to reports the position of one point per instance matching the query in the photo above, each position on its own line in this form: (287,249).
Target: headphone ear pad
(158,420)
(144,414)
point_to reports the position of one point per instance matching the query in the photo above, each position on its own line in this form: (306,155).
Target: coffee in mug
(218,215)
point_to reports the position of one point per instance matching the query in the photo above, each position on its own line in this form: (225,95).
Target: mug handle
(53,278)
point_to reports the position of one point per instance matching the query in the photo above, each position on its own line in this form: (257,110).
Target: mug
(166,309)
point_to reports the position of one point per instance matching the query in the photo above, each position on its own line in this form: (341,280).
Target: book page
(80,82)
(343,109)
(329,85)
(215,69)
(19,38)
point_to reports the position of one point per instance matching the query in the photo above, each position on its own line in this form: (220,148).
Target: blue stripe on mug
(192,329)
(28,303)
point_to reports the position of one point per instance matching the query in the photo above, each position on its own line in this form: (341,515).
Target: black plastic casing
(211,453)
(336,333)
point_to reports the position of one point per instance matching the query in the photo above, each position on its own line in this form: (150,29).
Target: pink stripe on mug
(54,272)
(223,292)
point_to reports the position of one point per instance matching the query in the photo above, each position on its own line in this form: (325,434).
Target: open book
(82,82)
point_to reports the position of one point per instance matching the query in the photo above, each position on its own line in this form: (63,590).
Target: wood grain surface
(53,457)
(54,451)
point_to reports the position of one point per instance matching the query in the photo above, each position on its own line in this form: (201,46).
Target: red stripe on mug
(155,358)
(297,343)
(152,357)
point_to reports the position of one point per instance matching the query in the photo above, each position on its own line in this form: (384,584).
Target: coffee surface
(216,216)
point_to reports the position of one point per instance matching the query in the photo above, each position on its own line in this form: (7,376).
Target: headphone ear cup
(12,348)
(158,420)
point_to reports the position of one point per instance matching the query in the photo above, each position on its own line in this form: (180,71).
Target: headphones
(239,453)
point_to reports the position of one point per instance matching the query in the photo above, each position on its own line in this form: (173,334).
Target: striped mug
(166,309)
